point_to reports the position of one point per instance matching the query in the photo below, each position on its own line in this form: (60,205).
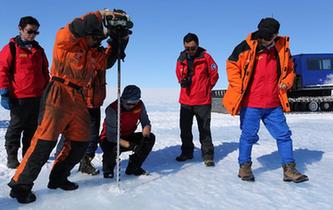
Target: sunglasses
(191,48)
(33,32)
(270,38)
(131,103)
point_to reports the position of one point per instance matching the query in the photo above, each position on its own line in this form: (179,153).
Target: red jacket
(128,120)
(263,89)
(30,74)
(205,76)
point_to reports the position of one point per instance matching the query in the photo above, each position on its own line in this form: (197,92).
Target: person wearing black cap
(132,111)
(260,72)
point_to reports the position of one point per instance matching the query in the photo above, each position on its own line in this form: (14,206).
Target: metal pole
(118,115)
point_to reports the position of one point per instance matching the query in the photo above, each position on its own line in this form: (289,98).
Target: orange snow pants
(62,111)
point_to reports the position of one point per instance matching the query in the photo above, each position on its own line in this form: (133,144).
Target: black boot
(22,195)
(87,167)
(134,167)
(209,163)
(108,167)
(208,160)
(65,185)
(183,157)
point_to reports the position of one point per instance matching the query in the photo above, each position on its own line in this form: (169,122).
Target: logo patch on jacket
(23,55)
(213,66)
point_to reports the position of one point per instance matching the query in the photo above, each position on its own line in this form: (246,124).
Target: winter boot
(22,196)
(290,173)
(108,175)
(109,162)
(208,159)
(12,161)
(183,157)
(65,185)
(209,163)
(87,167)
(245,172)
(134,167)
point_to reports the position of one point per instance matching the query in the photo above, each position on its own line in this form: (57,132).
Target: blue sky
(159,27)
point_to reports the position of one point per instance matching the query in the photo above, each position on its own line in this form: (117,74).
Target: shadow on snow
(303,157)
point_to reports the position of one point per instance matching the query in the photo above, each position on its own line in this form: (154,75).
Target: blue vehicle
(312,90)
(313,86)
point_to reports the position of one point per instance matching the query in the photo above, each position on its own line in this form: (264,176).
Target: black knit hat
(131,92)
(267,28)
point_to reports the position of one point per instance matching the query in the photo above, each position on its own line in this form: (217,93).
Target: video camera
(186,82)
(120,24)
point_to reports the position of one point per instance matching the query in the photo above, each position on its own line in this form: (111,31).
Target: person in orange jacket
(95,94)
(76,55)
(260,72)
(24,75)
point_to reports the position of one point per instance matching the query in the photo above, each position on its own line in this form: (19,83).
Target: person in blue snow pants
(276,124)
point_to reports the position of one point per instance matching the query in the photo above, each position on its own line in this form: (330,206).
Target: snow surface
(191,185)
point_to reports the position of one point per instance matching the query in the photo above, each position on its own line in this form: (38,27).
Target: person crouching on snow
(132,112)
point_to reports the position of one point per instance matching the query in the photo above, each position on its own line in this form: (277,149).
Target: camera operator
(76,56)
(197,74)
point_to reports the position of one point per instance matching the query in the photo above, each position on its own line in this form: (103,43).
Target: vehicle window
(320,63)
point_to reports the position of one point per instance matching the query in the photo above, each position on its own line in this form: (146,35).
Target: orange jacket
(240,66)
(73,59)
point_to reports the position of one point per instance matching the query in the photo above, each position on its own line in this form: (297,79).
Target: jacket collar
(20,42)
(200,54)
(253,40)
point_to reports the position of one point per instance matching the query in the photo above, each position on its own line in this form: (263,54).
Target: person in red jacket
(24,75)
(132,111)
(197,74)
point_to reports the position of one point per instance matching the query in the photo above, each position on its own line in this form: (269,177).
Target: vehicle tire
(326,106)
(295,106)
(313,106)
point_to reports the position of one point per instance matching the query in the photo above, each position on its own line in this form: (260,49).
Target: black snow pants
(203,117)
(23,121)
(139,156)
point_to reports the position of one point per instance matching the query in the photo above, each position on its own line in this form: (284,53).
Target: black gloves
(138,147)
(118,47)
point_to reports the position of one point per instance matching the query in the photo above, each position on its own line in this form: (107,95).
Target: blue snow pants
(276,124)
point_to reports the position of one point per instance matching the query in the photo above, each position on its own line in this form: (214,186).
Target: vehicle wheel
(326,106)
(295,106)
(313,106)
